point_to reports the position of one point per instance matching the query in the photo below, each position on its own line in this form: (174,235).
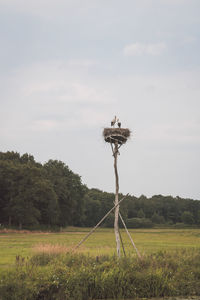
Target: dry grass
(56,249)
(50,248)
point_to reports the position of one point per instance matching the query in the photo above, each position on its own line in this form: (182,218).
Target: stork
(118,123)
(113,121)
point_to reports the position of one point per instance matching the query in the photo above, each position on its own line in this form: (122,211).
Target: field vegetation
(102,242)
(42,265)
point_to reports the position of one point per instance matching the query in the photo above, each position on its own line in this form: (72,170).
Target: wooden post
(116,222)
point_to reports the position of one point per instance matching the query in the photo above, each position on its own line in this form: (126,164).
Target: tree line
(35,195)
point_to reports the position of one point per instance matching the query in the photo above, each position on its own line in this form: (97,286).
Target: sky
(68,66)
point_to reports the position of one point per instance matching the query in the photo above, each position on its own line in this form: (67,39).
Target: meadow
(42,266)
(101,242)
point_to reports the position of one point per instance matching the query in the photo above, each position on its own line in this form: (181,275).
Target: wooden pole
(132,242)
(122,243)
(116,222)
(94,228)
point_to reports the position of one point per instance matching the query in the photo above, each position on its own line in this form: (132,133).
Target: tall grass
(66,276)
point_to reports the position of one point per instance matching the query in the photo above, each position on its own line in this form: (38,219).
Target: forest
(51,196)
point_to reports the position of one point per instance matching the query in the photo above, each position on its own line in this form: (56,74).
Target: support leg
(99,223)
(132,242)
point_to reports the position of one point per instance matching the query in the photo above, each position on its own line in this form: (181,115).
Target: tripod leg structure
(99,223)
(132,242)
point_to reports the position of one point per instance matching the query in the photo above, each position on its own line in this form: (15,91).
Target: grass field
(39,265)
(101,242)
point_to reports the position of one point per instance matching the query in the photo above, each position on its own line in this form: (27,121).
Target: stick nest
(113,135)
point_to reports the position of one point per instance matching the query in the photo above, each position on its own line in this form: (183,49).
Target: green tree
(198,217)
(92,211)
(140,213)
(69,190)
(26,197)
(8,189)
(157,219)
(187,217)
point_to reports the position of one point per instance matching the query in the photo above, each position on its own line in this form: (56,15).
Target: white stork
(113,121)
(118,123)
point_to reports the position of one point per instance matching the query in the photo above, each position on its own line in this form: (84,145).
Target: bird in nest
(113,122)
(118,123)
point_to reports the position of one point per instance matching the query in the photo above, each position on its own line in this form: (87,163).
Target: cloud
(85,117)
(55,96)
(61,81)
(137,48)
(45,8)
(177,132)
(82,63)
(189,40)
(44,125)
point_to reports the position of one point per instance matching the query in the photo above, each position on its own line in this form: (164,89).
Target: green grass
(46,270)
(68,276)
(99,243)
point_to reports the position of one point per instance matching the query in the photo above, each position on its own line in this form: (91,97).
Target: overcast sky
(68,66)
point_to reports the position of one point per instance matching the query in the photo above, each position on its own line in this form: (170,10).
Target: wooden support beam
(122,243)
(99,223)
(132,242)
